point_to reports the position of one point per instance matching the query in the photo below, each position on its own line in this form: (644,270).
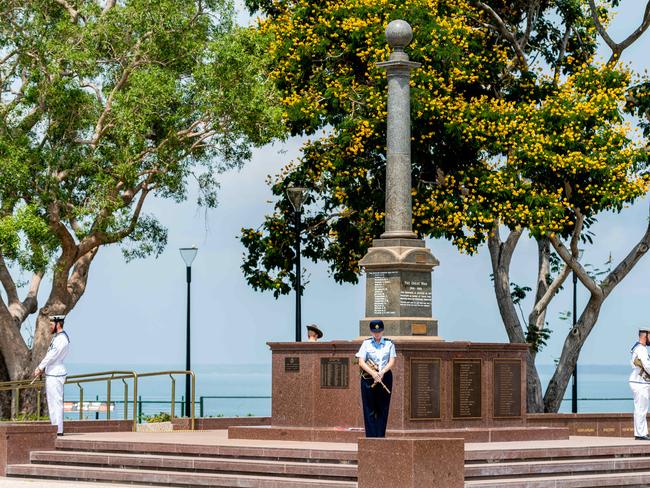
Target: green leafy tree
(515,129)
(103,104)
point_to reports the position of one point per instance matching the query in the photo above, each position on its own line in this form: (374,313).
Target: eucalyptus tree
(104,105)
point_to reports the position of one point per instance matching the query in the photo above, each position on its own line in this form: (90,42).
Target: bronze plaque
(334,372)
(418,329)
(507,388)
(292,364)
(425,389)
(466,389)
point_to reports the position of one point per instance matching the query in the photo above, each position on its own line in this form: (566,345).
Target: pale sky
(135,312)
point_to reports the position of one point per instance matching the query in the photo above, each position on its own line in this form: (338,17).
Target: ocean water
(601,388)
(248,380)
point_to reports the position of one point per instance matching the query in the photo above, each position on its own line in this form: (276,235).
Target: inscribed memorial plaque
(415,294)
(334,372)
(507,388)
(466,389)
(425,389)
(292,364)
(381,301)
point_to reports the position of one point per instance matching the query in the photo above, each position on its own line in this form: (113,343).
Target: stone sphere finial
(399,34)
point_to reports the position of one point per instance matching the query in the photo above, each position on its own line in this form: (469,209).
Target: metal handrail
(107,376)
(17,385)
(170,374)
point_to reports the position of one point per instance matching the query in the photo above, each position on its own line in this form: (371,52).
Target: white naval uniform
(640,389)
(55,373)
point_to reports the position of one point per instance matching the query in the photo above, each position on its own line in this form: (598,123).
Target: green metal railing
(203,398)
(108,376)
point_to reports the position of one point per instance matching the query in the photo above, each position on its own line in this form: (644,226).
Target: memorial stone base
(438,386)
(398,288)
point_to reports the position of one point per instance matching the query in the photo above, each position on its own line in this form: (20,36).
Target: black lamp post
(574,386)
(296,196)
(188,254)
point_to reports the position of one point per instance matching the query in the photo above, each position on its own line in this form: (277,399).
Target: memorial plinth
(473,390)
(436,385)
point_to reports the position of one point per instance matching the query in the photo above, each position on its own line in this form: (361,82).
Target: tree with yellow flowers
(516,129)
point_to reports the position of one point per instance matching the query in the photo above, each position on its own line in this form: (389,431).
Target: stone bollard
(17,440)
(421,463)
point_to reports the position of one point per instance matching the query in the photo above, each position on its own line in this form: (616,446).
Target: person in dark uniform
(376,359)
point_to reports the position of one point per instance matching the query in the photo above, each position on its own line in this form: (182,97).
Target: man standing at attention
(55,371)
(640,385)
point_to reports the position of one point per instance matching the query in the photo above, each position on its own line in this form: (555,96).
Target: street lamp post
(574,386)
(296,196)
(188,254)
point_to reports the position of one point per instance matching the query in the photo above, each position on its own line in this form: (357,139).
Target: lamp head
(188,254)
(296,195)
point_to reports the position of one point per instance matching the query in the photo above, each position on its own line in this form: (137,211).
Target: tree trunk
(501,256)
(534,403)
(570,352)
(5,396)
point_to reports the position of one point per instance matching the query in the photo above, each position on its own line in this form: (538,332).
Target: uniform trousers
(641,393)
(376,403)
(54,390)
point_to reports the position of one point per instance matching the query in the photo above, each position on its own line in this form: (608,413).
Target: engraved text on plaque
(425,389)
(507,388)
(292,364)
(334,372)
(466,389)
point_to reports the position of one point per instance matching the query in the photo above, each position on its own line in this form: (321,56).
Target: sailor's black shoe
(641,438)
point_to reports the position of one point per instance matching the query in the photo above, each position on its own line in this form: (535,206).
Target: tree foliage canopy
(521,130)
(101,105)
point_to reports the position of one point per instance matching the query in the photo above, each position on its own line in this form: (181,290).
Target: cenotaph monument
(398,265)
(441,388)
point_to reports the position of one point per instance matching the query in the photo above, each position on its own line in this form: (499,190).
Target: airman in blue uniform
(376,359)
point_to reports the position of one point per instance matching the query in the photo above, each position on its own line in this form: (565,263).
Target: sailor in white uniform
(640,385)
(55,371)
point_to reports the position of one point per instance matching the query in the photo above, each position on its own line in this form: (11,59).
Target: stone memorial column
(398,265)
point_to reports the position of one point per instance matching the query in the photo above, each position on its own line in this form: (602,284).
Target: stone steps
(239,452)
(570,465)
(637,479)
(166,478)
(560,467)
(335,471)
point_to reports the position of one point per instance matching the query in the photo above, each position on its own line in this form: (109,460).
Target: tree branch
(8,282)
(574,264)
(501,255)
(71,10)
(503,28)
(626,265)
(560,57)
(530,16)
(21,310)
(79,278)
(545,299)
(618,48)
(99,238)
(109,5)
